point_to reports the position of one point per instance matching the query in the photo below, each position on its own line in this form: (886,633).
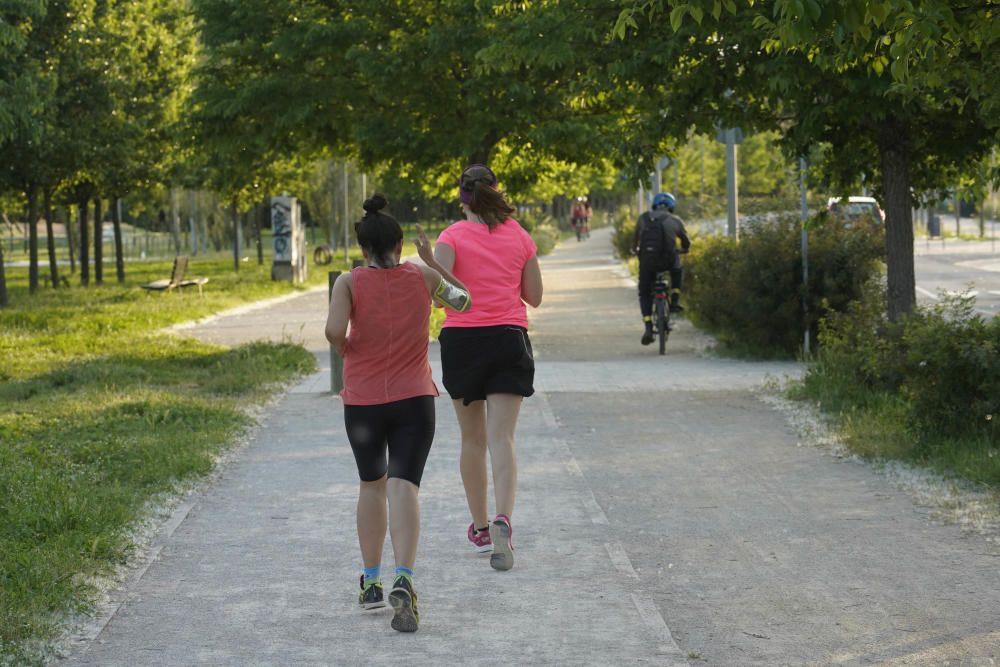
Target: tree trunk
(3,281)
(236,236)
(70,239)
(895,155)
(50,239)
(175,224)
(98,242)
(192,222)
(116,223)
(33,238)
(83,210)
(485,150)
(258,223)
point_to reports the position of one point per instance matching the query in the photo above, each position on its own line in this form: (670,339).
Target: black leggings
(405,427)
(647,276)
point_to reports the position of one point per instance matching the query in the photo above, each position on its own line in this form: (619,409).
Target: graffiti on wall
(281,229)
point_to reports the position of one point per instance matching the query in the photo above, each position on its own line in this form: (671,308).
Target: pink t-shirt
(490,263)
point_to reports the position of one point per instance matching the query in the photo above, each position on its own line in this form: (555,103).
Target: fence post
(336,362)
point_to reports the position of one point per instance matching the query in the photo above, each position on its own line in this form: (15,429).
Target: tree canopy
(875,81)
(114,95)
(418,87)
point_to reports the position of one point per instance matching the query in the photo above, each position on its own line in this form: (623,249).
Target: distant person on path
(389,401)
(655,242)
(580,214)
(486,356)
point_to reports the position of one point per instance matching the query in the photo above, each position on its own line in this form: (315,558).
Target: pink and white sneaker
(480,541)
(503,548)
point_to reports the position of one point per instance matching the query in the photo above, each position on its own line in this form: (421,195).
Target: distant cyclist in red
(580,215)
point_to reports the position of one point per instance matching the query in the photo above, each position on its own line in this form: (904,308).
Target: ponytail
(491,205)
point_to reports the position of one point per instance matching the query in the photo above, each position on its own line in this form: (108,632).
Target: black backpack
(652,236)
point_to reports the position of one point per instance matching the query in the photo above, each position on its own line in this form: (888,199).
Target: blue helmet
(664,200)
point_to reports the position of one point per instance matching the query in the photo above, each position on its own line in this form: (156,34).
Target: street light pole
(804,216)
(732,189)
(347,238)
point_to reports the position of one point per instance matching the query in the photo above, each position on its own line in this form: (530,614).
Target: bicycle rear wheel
(662,323)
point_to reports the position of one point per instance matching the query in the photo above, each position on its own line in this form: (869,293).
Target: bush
(859,359)
(951,370)
(544,230)
(546,237)
(750,294)
(932,381)
(623,226)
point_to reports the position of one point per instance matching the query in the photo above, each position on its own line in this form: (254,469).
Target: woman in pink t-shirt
(389,394)
(486,355)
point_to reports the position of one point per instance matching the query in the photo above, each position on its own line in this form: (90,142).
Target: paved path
(665,516)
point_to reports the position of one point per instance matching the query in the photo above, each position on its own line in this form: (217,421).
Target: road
(955,267)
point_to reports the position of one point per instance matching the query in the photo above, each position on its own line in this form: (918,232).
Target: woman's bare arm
(531,283)
(446,290)
(432,259)
(340,313)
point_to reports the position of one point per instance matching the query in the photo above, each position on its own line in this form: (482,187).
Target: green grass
(879,426)
(99,413)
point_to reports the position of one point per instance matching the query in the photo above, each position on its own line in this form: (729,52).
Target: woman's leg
(372,521)
(411,434)
(501,420)
(472,422)
(404,520)
(368,442)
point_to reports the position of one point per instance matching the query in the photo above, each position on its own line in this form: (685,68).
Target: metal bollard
(336,362)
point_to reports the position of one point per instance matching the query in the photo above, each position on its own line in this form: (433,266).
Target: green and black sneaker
(370,596)
(403,599)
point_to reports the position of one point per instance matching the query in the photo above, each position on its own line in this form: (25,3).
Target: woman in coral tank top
(389,394)
(486,355)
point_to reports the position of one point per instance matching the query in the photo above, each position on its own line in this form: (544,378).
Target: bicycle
(661,309)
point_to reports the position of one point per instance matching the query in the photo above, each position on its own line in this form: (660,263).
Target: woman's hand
(424,249)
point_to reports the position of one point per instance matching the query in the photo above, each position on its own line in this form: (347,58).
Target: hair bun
(376,203)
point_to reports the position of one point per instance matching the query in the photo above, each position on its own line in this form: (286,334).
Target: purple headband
(474,173)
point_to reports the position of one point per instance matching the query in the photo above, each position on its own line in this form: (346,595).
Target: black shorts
(478,361)
(404,428)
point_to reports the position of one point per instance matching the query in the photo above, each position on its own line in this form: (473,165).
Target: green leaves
(678,13)
(415,88)
(98,87)
(625,20)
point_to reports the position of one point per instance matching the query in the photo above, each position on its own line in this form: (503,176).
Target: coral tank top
(386,355)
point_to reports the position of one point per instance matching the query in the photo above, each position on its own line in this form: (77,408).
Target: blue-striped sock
(404,572)
(372,574)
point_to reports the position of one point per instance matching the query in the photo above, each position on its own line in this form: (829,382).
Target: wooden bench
(176,278)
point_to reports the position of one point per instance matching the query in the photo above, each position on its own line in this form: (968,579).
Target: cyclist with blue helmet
(655,243)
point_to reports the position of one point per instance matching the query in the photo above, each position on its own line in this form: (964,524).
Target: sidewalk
(665,516)
(262,568)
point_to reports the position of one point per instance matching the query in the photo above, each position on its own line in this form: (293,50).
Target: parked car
(856,207)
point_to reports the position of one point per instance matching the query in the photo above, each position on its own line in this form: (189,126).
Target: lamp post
(803,216)
(731,137)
